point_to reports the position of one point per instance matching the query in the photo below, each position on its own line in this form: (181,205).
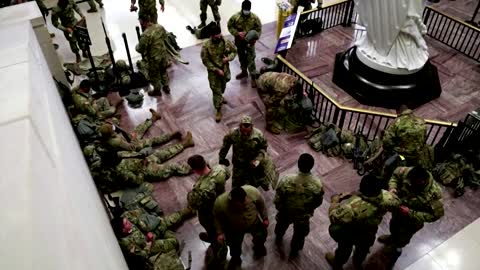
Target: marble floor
(189,108)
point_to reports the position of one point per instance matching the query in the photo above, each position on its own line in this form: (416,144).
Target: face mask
(246,12)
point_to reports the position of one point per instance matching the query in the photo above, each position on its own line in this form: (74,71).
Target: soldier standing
(239,25)
(201,198)
(216,55)
(239,212)
(93,7)
(249,152)
(154,52)
(214,4)
(296,198)
(64,12)
(354,219)
(273,88)
(148,9)
(421,201)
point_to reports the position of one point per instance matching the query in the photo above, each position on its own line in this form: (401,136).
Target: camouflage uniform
(296,198)
(154,53)
(86,104)
(100,167)
(167,261)
(246,53)
(235,223)
(67,20)
(148,9)
(140,197)
(159,226)
(426,206)
(273,87)
(354,221)
(134,171)
(202,199)
(406,136)
(245,150)
(212,57)
(214,4)
(117,141)
(92,5)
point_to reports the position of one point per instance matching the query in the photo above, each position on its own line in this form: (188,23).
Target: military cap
(246,120)
(251,35)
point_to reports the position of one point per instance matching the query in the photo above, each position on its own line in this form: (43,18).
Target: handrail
(453,18)
(324,6)
(351,109)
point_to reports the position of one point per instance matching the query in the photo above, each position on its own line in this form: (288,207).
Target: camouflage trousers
(167,244)
(150,13)
(72,41)
(216,254)
(169,260)
(91,3)
(103,107)
(402,230)
(155,172)
(235,239)
(139,132)
(157,74)
(203,9)
(246,56)
(301,228)
(161,155)
(218,85)
(349,236)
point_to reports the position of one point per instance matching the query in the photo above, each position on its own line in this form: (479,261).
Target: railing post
(347,11)
(426,15)
(342,118)
(335,114)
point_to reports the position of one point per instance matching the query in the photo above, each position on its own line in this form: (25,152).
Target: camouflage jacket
(131,170)
(234,220)
(135,243)
(146,222)
(406,135)
(244,149)
(355,208)
(424,207)
(167,261)
(298,195)
(238,23)
(212,55)
(152,44)
(208,188)
(66,16)
(275,86)
(117,142)
(83,102)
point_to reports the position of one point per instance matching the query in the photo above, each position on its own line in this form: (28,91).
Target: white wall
(51,216)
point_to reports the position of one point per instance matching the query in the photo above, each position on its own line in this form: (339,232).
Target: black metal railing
(369,123)
(325,17)
(454,33)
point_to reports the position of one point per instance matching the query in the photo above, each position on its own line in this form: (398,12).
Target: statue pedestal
(376,88)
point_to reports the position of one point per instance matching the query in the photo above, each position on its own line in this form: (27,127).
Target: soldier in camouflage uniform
(296,198)
(93,7)
(239,212)
(249,154)
(406,136)
(214,4)
(421,201)
(86,104)
(134,169)
(144,235)
(64,11)
(216,55)
(101,167)
(354,219)
(154,54)
(140,197)
(117,141)
(201,198)
(148,9)
(239,25)
(273,88)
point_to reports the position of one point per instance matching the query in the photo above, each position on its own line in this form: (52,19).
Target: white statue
(394,41)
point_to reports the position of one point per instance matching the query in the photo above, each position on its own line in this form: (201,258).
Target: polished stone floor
(189,108)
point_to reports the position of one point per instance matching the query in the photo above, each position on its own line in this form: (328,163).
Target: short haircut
(197,162)
(85,84)
(238,194)
(305,163)
(418,173)
(370,185)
